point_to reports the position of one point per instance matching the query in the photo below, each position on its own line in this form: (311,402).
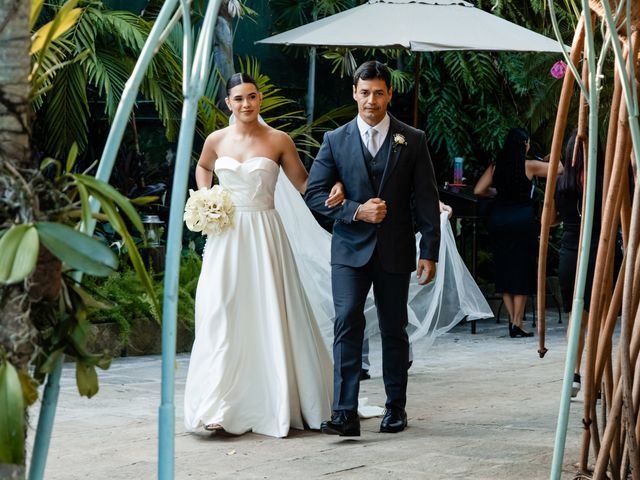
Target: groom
(389,183)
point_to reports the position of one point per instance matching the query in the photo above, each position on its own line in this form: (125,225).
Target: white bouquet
(209,210)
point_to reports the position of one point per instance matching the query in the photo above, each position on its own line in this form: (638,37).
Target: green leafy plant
(12,407)
(84,53)
(63,325)
(125,299)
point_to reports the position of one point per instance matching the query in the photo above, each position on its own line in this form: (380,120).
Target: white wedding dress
(259,362)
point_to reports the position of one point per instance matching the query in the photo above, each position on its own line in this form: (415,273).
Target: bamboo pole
(604,347)
(636,382)
(612,133)
(614,424)
(615,453)
(586,234)
(548,210)
(626,371)
(612,148)
(625,211)
(603,296)
(604,259)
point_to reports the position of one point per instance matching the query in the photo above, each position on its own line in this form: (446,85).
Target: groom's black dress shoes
(394,420)
(345,423)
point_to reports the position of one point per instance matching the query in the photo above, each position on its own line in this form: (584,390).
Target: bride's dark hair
(238,78)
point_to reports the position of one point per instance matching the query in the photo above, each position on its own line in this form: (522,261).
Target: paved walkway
(480,406)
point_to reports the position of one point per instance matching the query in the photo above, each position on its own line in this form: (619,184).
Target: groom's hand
(372,211)
(426,267)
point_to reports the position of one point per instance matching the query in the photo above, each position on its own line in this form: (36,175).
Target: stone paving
(481,407)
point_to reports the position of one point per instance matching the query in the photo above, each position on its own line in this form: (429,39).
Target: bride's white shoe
(214,427)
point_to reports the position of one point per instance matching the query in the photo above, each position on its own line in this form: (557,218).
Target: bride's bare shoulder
(278,136)
(219,134)
(216,137)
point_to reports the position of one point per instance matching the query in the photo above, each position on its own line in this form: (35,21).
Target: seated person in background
(512,224)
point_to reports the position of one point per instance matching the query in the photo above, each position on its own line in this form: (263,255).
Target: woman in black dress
(512,225)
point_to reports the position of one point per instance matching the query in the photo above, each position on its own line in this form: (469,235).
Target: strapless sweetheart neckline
(248,160)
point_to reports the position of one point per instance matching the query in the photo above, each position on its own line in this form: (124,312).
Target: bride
(259,362)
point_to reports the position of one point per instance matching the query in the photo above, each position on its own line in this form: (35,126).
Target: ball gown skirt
(258,362)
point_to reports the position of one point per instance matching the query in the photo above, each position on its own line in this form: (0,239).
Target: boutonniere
(399,141)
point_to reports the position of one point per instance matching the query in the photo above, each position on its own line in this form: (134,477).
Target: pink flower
(559,69)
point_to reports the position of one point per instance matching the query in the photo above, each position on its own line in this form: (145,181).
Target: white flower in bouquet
(209,210)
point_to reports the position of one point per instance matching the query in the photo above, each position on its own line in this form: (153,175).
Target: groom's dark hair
(372,70)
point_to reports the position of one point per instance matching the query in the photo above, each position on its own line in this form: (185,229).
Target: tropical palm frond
(67,111)
(325,8)
(332,119)
(490,126)
(539,112)
(210,117)
(108,72)
(401,82)
(342,60)
(447,127)
(174,41)
(474,70)
(166,103)
(305,136)
(84,34)
(106,43)
(132,30)
(152,9)
(214,83)
(289,13)
(56,57)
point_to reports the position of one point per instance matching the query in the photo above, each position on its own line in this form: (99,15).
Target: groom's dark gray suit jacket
(408,187)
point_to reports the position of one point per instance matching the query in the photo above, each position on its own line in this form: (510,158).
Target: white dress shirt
(382,129)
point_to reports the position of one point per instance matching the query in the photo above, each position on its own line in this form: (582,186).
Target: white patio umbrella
(419,26)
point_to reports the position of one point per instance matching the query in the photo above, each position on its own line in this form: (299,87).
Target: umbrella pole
(311,85)
(416,88)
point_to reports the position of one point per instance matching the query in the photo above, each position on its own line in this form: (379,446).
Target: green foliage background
(468,99)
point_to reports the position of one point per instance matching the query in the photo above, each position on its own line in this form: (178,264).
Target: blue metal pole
(169,306)
(45,423)
(52,388)
(195,83)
